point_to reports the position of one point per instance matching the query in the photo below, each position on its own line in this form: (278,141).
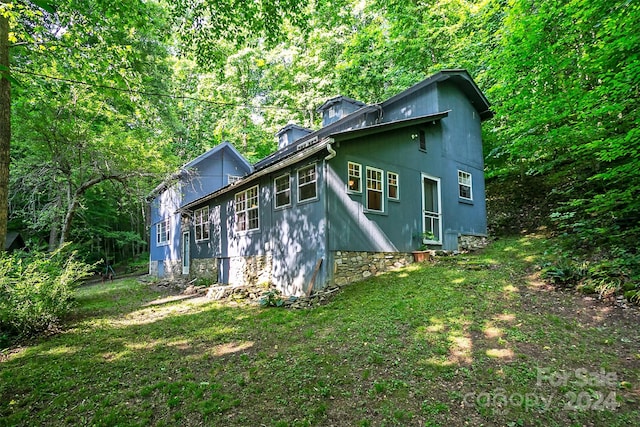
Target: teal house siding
(417,156)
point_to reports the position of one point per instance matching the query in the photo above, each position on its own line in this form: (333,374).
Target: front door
(185,252)
(431,213)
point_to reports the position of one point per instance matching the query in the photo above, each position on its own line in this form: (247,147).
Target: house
(351,199)
(169,251)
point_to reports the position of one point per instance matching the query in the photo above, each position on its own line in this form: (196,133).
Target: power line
(156,94)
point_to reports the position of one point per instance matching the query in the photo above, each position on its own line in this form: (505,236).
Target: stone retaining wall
(349,267)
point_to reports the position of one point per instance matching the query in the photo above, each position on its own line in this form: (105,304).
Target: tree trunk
(68,219)
(5,128)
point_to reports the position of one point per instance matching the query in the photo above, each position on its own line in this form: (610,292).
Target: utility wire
(156,94)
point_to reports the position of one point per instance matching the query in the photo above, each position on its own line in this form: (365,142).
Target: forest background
(108,98)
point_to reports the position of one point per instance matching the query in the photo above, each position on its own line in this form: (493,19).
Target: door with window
(186,244)
(431,212)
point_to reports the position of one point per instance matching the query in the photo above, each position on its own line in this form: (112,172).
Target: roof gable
(225,146)
(462,79)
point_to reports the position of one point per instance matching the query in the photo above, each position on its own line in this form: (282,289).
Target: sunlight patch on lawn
(460,349)
(156,313)
(62,350)
(500,353)
(510,289)
(493,332)
(232,347)
(505,317)
(458,280)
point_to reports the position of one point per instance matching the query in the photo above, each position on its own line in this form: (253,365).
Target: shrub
(36,289)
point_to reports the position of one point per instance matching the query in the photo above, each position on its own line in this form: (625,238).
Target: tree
(5,125)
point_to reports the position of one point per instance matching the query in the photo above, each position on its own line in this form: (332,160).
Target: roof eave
(289,160)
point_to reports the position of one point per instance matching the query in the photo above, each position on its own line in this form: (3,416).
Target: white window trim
(366,205)
(359,190)
(276,192)
(314,182)
(167,232)
(201,221)
(397,186)
(470,185)
(247,209)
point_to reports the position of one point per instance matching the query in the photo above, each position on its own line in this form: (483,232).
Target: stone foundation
(472,243)
(349,267)
(250,270)
(204,267)
(171,268)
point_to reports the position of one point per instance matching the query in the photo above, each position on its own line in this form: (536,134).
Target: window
(392,186)
(423,140)
(163,232)
(247,211)
(354,181)
(282,188)
(307,183)
(374,189)
(464,185)
(201,223)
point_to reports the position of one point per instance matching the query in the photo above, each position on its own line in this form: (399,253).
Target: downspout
(332,152)
(329,260)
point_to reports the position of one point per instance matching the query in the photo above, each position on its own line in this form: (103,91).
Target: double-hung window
(163,232)
(282,188)
(375,192)
(247,210)
(354,179)
(465,185)
(201,223)
(392,186)
(307,179)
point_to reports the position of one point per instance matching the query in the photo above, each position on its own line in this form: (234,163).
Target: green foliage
(272,298)
(36,289)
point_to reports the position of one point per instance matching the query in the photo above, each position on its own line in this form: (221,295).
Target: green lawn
(471,340)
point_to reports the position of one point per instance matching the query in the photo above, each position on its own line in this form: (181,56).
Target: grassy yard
(471,340)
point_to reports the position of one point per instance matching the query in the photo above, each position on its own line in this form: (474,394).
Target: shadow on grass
(404,348)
